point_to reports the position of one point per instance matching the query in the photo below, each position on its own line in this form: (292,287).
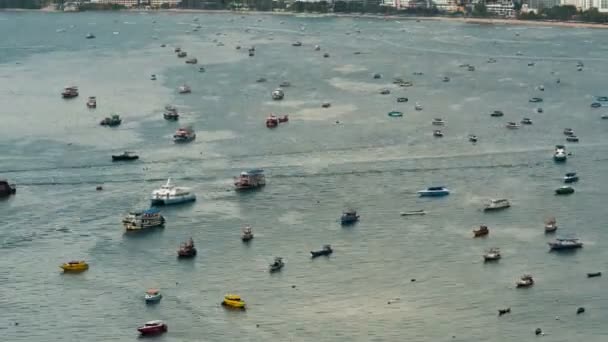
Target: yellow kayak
(75,266)
(233,301)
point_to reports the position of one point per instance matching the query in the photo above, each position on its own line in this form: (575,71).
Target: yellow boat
(233,301)
(75,266)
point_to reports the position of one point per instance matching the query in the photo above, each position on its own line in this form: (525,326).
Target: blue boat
(434,191)
(349,217)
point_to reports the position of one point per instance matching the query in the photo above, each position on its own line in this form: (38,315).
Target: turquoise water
(56,153)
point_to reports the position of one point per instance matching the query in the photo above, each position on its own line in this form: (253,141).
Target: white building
(446,5)
(504,8)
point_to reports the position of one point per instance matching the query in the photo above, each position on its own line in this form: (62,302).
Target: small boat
(560,153)
(438,122)
(539,110)
(261,80)
(191,61)
(247,234)
(233,301)
(182,54)
(317,48)
(604,117)
(297,43)
(541,87)
(201,69)
(186,249)
(493,254)
(571,177)
(90,36)
(153,296)
(402,99)
(594,274)
(125,156)
(596,105)
(325,251)
(418,106)
(184,135)
(277,265)
(349,216)
(491,60)
(471,68)
(171,113)
(283,119)
(497,113)
(92,102)
(139,220)
(525,281)
(536,100)
(446,79)
(272,121)
(153,328)
(177,49)
(153,77)
(572,138)
(251,179)
(385,91)
(562,244)
(564,190)
(512,125)
(497,204)
(326,55)
(481,231)
(6,189)
(472,138)
(437,133)
(550,225)
(601,98)
(526,121)
(69,92)
(111,121)
(531,63)
(395,114)
(278,94)
(377,76)
(413,212)
(434,191)
(325,105)
(170,194)
(74,266)
(184,89)
(568,131)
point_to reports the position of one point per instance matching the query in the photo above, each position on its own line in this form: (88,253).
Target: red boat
(6,189)
(153,328)
(272,121)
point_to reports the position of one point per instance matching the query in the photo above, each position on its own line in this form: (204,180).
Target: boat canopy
(153,291)
(155,322)
(151,211)
(435,188)
(571,174)
(232,297)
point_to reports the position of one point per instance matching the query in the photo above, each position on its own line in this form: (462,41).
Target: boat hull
(172,201)
(124,158)
(315,254)
(149,331)
(234,304)
(425,193)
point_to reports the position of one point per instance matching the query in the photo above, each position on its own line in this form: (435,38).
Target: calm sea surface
(56,153)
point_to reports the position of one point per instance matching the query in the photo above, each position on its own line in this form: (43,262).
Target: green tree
(480,10)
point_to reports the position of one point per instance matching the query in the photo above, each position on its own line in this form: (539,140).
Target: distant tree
(480,10)
(165,5)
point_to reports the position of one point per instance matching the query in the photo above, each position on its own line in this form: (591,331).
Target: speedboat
(525,281)
(233,301)
(438,133)
(395,114)
(526,121)
(512,125)
(153,296)
(562,244)
(90,36)
(184,89)
(418,106)
(297,43)
(349,216)
(92,102)
(278,94)
(550,225)
(434,191)
(560,153)
(138,220)
(69,92)
(184,135)
(251,179)
(571,177)
(481,231)
(572,138)
(564,190)
(325,251)
(493,254)
(536,100)
(472,138)
(153,328)
(6,189)
(74,266)
(247,234)
(111,121)
(497,113)
(277,265)
(438,122)
(170,194)
(125,156)
(191,61)
(187,249)
(413,212)
(497,204)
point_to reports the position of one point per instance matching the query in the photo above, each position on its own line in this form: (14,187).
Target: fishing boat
(438,122)
(349,216)
(125,156)
(413,213)
(69,92)
(92,102)
(563,244)
(560,153)
(438,133)
(594,274)
(152,296)
(171,113)
(512,125)
(247,234)
(170,194)
(272,121)
(186,249)
(277,265)
(572,138)
(526,121)
(472,138)
(153,328)
(525,281)
(233,301)
(568,131)
(481,231)
(277,94)
(191,61)
(251,179)
(139,220)
(184,135)
(535,100)
(492,254)
(325,251)
(434,191)
(184,89)
(550,225)
(6,189)
(497,204)
(111,121)
(74,266)
(564,190)
(571,177)
(497,113)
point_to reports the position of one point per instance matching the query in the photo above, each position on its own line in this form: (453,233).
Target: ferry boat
(562,244)
(550,225)
(560,153)
(493,254)
(170,194)
(233,301)
(434,191)
(251,179)
(69,92)
(525,281)
(6,189)
(247,234)
(481,231)
(139,220)
(571,177)
(153,328)
(74,266)
(184,89)
(349,216)
(111,121)
(187,249)
(497,204)
(184,135)
(152,296)
(125,156)
(278,94)
(92,102)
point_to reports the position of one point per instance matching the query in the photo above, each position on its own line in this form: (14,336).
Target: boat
(526,121)
(177,49)
(413,213)
(497,204)
(325,251)
(568,131)
(272,121)
(572,138)
(125,156)
(139,220)
(594,274)
(283,119)
(277,94)
(481,231)
(604,117)
(171,113)
(434,191)
(153,296)
(418,106)
(182,54)
(184,135)
(596,105)
(186,249)
(571,177)
(6,189)
(297,43)
(233,301)
(472,138)
(446,79)
(492,254)
(285,84)
(251,179)
(74,266)
(92,102)
(402,99)
(325,105)
(395,114)
(191,61)
(497,113)
(564,190)
(385,91)
(512,125)
(317,48)
(438,133)
(562,244)
(535,100)
(349,216)
(247,234)
(539,110)
(90,36)
(277,265)
(438,122)
(153,328)
(377,76)
(326,55)
(491,60)
(525,281)
(170,194)
(153,77)
(201,69)
(601,98)
(184,89)
(550,225)
(69,92)
(560,153)
(471,68)
(541,87)
(111,121)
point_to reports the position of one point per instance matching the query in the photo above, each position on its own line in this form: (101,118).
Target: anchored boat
(563,244)
(125,156)
(153,296)
(251,179)
(170,194)
(74,266)
(187,249)
(497,204)
(247,234)
(434,191)
(233,301)
(349,216)
(156,327)
(325,251)
(139,220)
(560,153)
(184,135)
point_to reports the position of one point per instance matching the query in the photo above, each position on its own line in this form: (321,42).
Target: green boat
(564,190)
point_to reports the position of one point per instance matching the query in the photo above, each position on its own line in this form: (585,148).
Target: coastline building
(504,8)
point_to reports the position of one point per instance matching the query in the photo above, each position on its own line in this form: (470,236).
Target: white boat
(512,125)
(278,94)
(497,204)
(550,225)
(438,122)
(153,296)
(184,135)
(418,106)
(170,194)
(92,102)
(139,220)
(184,89)
(413,213)
(434,191)
(560,153)
(525,281)
(493,254)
